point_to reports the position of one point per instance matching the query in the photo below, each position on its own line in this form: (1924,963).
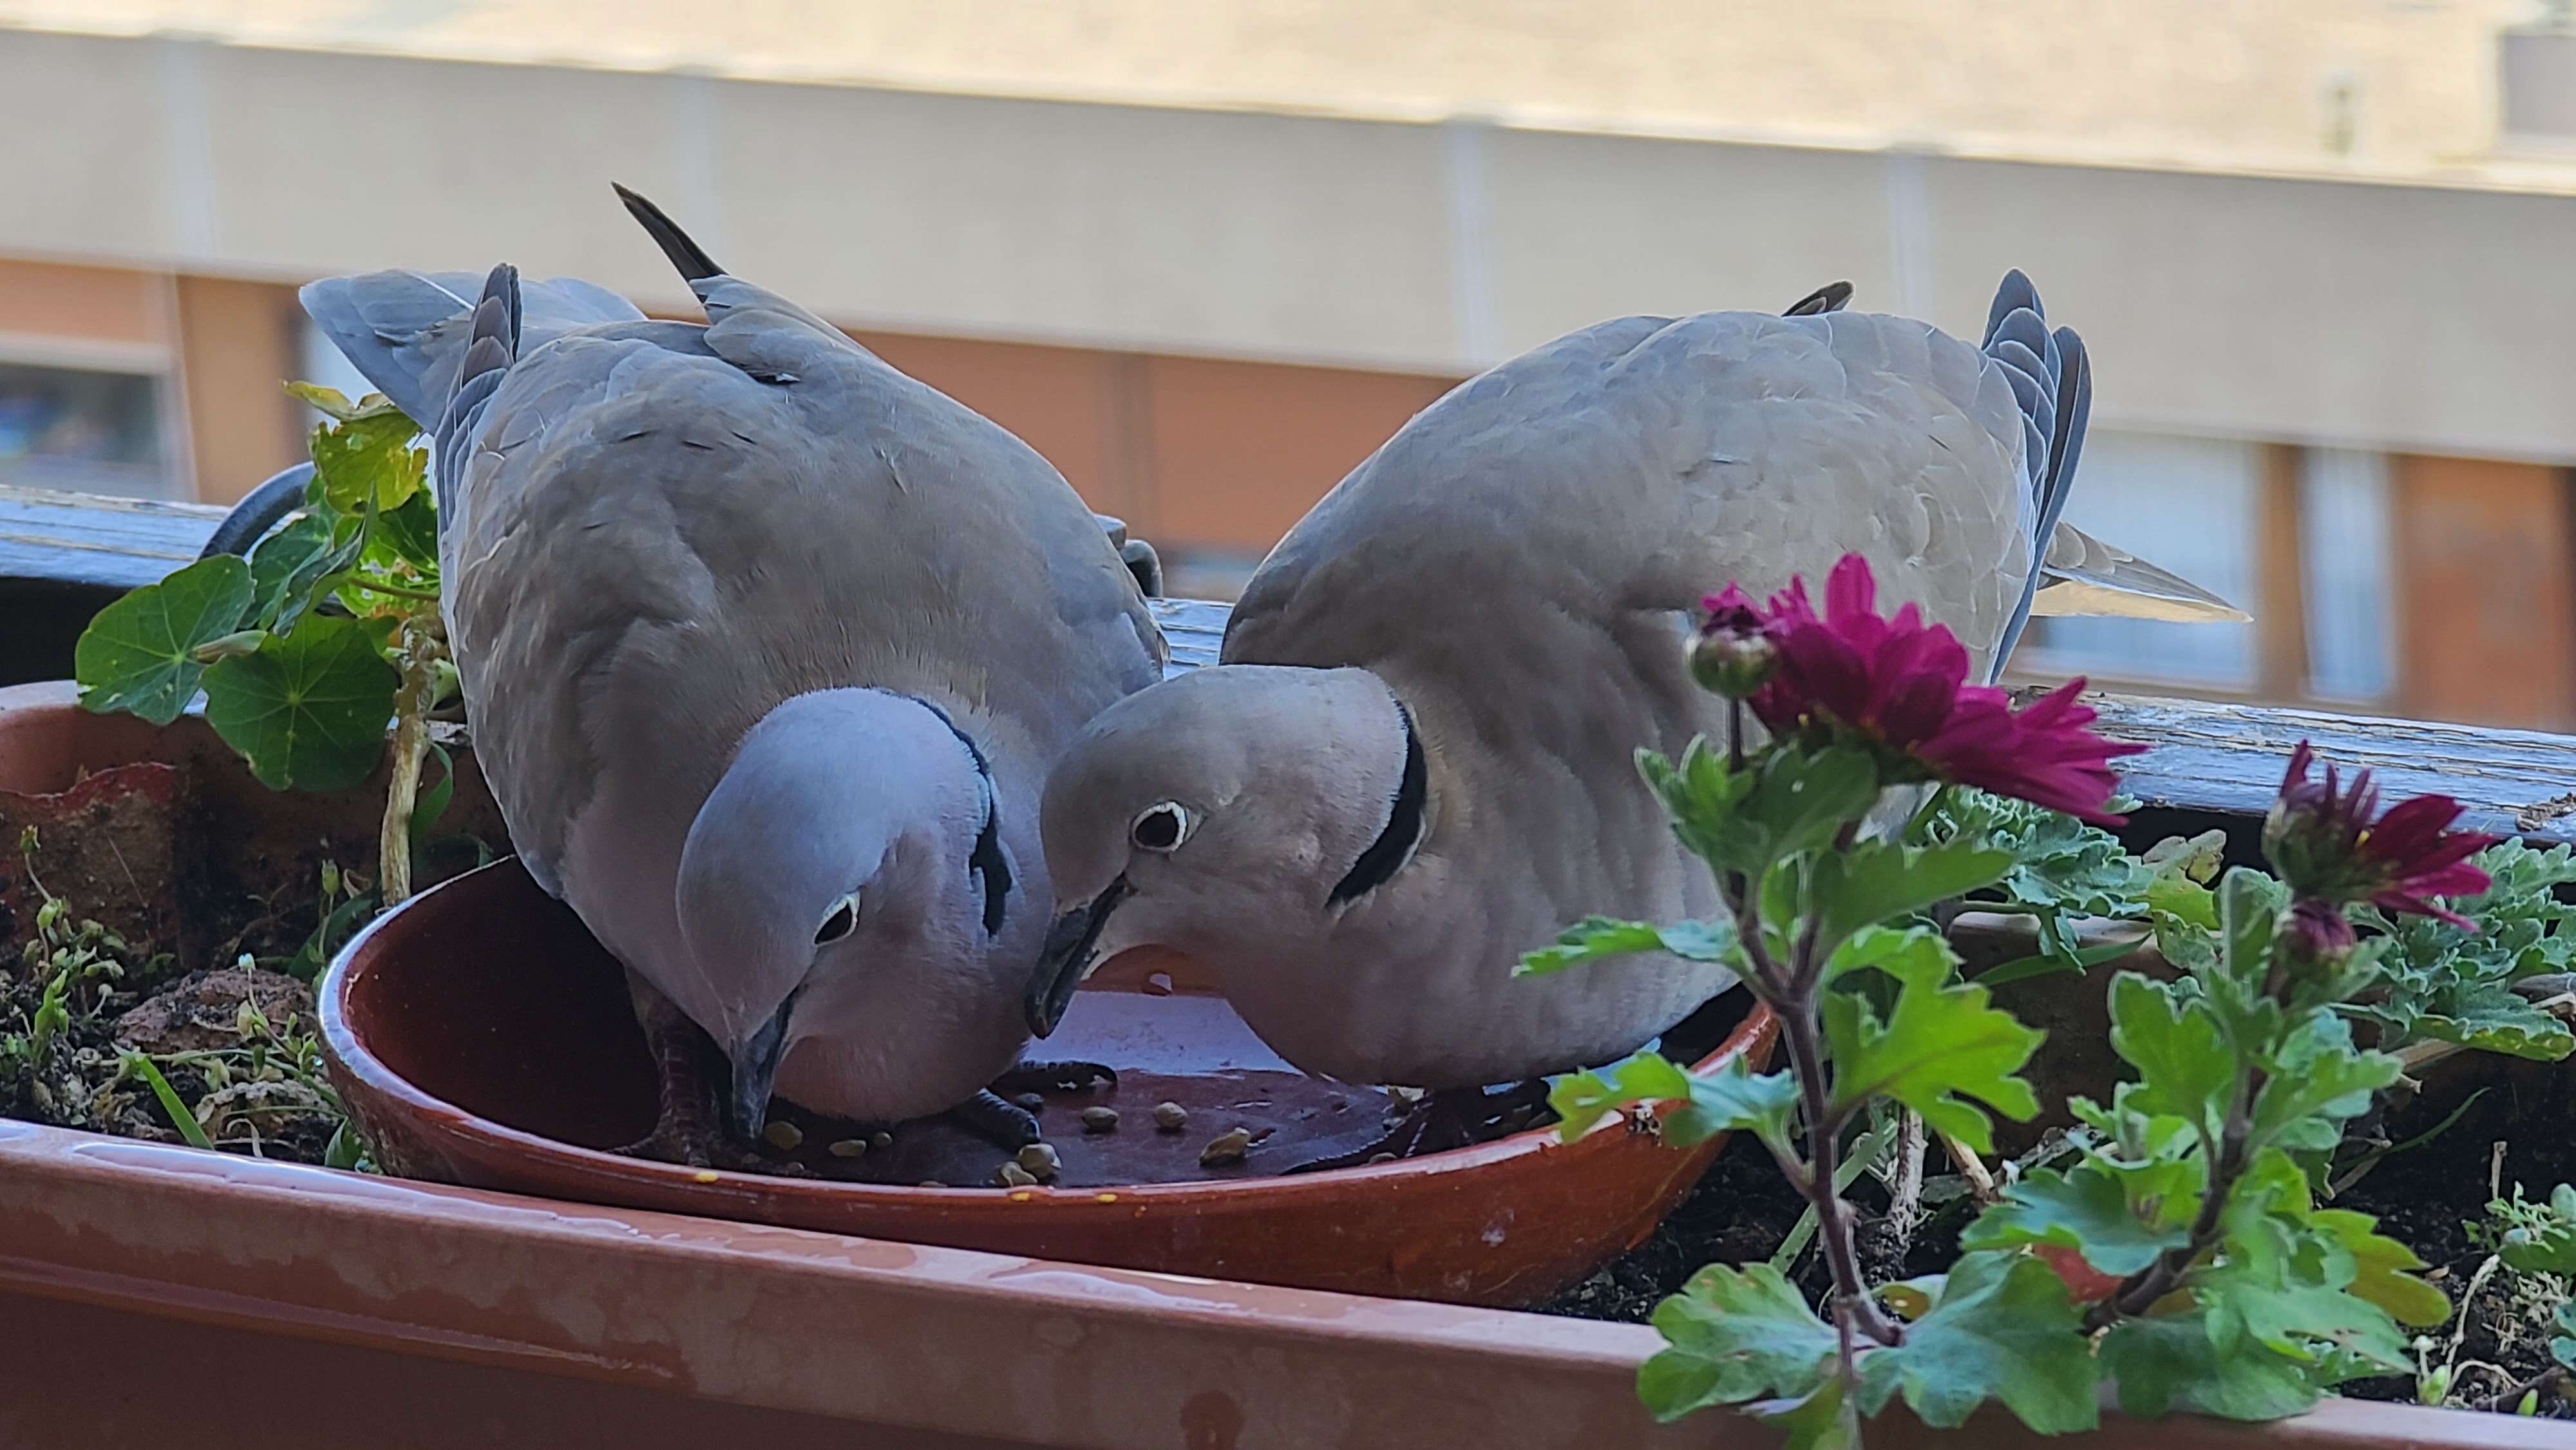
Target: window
(2187,504)
(83,429)
(2346,565)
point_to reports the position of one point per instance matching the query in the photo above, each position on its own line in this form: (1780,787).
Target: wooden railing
(62,556)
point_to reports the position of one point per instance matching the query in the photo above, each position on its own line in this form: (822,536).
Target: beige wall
(2375,315)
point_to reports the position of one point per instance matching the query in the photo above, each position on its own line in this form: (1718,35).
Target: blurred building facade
(1205,257)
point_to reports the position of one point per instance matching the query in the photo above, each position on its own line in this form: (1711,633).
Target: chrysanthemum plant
(2183,1258)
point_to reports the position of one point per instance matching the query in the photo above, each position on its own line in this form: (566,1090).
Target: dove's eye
(1161,827)
(839,922)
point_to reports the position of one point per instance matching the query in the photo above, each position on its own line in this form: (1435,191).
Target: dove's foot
(687,1127)
(1450,1118)
(1004,1124)
(1055,1077)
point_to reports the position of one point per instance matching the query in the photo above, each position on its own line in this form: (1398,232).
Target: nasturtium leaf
(1940,1046)
(1736,1097)
(2086,1209)
(313,575)
(2003,1330)
(1582,1099)
(281,556)
(406,537)
(368,457)
(2167,1363)
(307,711)
(1733,1335)
(1876,881)
(336,405)
(1596,937)
(138,655)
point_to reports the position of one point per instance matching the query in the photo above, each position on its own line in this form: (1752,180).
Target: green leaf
(1701,793)
(314,575)
(1582,1099)
(181,1117)
(2003,1330)
(2167,1362)
(2249,905)
(2087,1210)
(2060,865)
(1875,881)
(2046,963)
(1821,1419)
(1790,801)
(1911,954)
(1940,1045)
(406,537)
(368,460)
(307,711)
(335,404)
(1735,1097)
(1595,937)
(2455,986)
(281,556)
(2318,1079)
(2501,1020)
(138,655)
(344,1151)
(1733,1335)
(2185,1067)
(2184,900)
(432,800)
(2383,1268)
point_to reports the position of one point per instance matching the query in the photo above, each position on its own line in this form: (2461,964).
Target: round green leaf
(139,654)
(308,711)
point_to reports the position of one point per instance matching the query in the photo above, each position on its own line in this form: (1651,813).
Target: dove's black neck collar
(1404,820)
(986,860)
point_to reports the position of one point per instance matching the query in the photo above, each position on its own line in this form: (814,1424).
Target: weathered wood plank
(2204,758)
(84,539)
(2227,758)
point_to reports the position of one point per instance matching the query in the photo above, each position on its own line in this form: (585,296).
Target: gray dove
(766,648)
(1414,760)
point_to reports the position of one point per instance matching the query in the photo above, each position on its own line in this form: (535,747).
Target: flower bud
(2314,938)
(1733,664)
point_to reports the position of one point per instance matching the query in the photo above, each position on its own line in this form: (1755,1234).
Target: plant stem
(1833,1216)
(1981,1182)
(420,654)
(2160,1278)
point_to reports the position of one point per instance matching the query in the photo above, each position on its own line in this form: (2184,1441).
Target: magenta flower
(1901,686)
(2321,838)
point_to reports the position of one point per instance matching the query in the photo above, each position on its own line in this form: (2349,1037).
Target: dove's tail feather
(691,259)
(2084,575)
(1829,298)
(2052,377)
(407,331)
(496,331)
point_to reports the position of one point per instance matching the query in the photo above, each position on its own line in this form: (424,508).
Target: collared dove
(766,647)
(1414,761)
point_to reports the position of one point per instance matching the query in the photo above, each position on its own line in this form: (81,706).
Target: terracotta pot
(484,1038)
(162,832)
(161,1295)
